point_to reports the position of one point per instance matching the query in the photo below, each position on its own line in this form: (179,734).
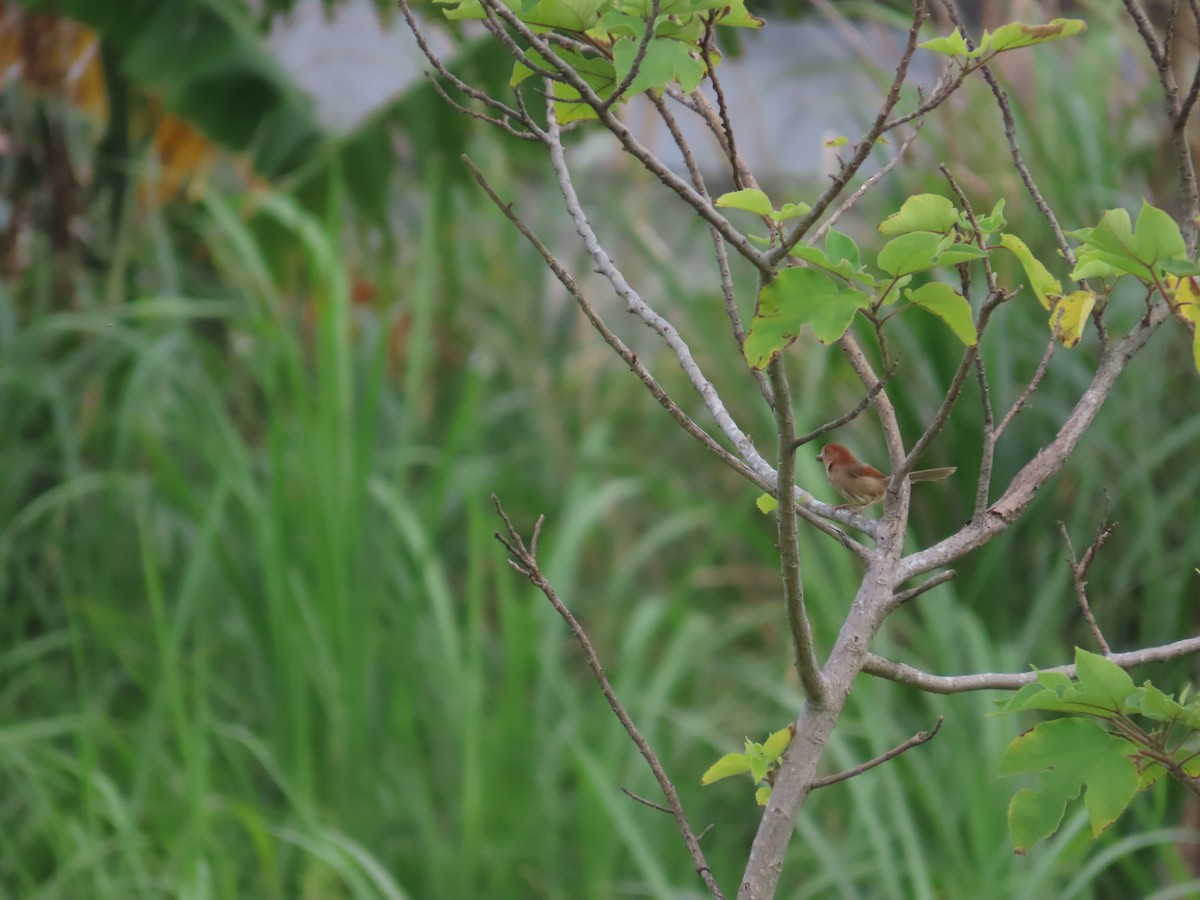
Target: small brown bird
(861,484)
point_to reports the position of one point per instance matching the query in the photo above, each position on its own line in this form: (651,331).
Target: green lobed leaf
(750,199)
(921,212)
(1116,246)
(796,297)
(666,61)
(993,221)
(1071,755)
(1102,678)
(842,247)
(948,305)
(921,250)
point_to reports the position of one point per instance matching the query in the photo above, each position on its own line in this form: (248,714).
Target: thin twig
(921,737)
(902,597)
(1079,570)
(1010,135)
(848,416)
(1038,374)
(529,565)
(862,150)
(649,803)
(638,57)
(1012,681)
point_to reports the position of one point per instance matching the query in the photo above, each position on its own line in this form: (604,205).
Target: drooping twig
(525,562)
(1012,681)
(921,737)
(1079,571)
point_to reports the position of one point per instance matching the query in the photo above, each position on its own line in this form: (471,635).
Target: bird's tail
(933,474)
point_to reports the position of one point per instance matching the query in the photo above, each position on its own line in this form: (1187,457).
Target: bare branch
(862,150)
(803,645)
(631,359)
(921,737)
(881,401)
(1048,462)
(1079,570)
(1011,681)
(650,803)
(1038,374)
(514,544)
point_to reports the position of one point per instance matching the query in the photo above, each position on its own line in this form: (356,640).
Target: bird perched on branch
(861,484)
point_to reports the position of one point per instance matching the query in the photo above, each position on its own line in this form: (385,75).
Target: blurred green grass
(261,642)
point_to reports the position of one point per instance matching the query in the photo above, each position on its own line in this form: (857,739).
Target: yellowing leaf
(1186,299)
(1043,283)
(1018,34)
(1074,309)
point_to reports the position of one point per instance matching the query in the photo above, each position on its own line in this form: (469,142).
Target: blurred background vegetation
(258,379)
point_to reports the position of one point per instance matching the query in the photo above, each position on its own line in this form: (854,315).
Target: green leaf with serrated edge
(1102,677)
(1016,34)
(910,253)
(841,246)
(774,746)
(766,504)
(921,212)
(666,61)
(1043,283)
(818,258)
(790,211)
(762,795)
(1074,309)
(948,305)
(749,199)
(728,765)
(1070,755)
(952,45)
(797,297)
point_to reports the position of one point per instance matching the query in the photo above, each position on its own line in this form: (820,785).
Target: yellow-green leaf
(948,305)
(726,767)
(921,212)
(762,795)
(1043,283)
(1018,34)
(774,746)
(1186,299)
(766,504)
(1074,309)
(752,200)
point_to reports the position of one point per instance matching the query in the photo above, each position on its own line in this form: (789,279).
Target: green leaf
(762,795)
(727,766)
(1043,283)
(921,212)
(1071,755)
(951,45)
(1102,679)
(1137,251)
(818,257)
(666,61)
(790,211)
(1074,309)
(749,199)
(797,297)
(948,305)
(840,246)
(910,253)
(1016,34)
(840,141)
(565,15)
(993,221)
(766,504)
(774,745)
